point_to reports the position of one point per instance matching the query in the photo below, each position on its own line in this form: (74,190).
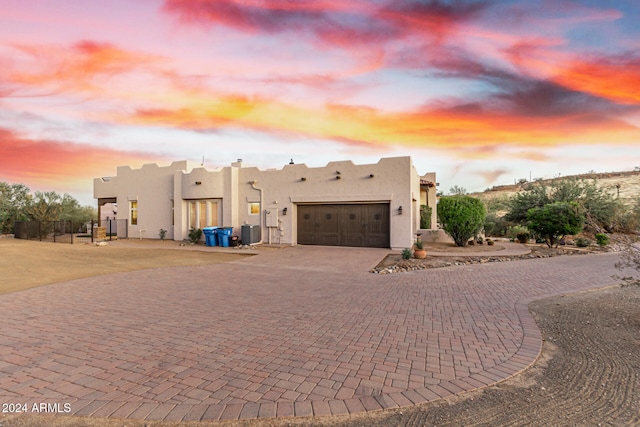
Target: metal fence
(115,228)
(55,231)
(71,232)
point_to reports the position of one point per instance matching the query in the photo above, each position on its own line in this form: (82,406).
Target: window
(203,213)
(254,208)
(193,214)
(134,212)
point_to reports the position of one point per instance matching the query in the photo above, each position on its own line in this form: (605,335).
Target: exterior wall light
(371,175)
(400,210)
(284,211)
(303,179)
(338,177)
(198,182)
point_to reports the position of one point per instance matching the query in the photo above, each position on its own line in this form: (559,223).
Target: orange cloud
(53,162)
(448,128)
(617,79)
(76,67)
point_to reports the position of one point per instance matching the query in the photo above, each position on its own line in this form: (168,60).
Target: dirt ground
(26,264)
(588,373)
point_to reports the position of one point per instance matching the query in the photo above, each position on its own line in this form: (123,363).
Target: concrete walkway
(299,331)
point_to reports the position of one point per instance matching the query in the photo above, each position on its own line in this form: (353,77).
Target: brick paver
(299,331)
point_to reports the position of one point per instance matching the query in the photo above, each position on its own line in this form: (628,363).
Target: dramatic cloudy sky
(480,91)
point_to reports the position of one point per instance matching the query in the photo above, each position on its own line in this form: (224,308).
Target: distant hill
(626,185)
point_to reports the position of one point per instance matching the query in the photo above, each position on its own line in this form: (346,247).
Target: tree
(45,206)
(457,191)
(72,211)
(598,205)
(461,217)
(556,220)
(14,199)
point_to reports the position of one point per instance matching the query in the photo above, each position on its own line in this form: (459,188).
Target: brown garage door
(344,225)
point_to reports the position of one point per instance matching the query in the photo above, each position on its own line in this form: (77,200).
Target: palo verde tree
(461,217)
(45,206)
(553,221)
(598,205)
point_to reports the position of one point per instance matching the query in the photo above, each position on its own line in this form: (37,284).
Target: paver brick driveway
(297,331)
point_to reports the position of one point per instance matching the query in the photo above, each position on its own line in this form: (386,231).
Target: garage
(360,225)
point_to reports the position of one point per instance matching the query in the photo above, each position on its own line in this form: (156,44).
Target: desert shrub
(628,218)
(523,237)
(582,242)
(556,220)
(602,239)
(490,242)
(195,234)
(461,217)
(406,253)
(495,225)
(513,231)
(162,233)
(598,205)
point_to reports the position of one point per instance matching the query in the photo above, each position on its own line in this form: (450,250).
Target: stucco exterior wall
(152,187)
(392,180)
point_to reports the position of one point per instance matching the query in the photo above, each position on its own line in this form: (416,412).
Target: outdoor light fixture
(198,182)
(400,210)
(284,211)
(303,179)
(338,177)
(371,175)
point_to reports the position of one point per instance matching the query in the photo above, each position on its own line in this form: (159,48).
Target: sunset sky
(480,92)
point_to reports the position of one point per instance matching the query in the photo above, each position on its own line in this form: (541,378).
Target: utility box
(250,234)
(272,217)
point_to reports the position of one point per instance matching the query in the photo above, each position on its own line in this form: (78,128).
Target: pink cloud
(37,161)
(72,68)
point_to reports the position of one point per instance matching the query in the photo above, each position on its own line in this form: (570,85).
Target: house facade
(341,204)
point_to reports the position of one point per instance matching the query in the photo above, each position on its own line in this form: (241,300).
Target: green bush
(495,225)
(406,253)
(581,242)
(523,236)
(461,217)
(599,204)
(513,231)
(602,239)
(195,234)
(556,220)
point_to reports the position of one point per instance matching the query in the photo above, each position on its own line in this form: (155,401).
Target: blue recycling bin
(223,236)
(210,236)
